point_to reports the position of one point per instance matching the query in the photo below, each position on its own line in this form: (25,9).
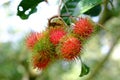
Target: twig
(111,5)
(65,7)
(59,7)
(100,25)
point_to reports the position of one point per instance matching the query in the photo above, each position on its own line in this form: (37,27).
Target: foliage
(68,9)
(27,6)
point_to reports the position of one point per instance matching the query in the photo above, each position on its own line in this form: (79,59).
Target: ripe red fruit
(41,60)
(56,33)
(70,48)
(32,39)
(83,27)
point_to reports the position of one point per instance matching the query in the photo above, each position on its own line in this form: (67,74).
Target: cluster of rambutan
(58,42)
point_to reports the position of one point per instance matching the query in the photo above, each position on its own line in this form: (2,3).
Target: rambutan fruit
(41,60)
(55,34)
(70,47)
(32,39)
(83,27)
(44,44)
(57,29)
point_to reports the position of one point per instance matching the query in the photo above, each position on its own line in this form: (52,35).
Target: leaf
(94,11)
(84,70)
(27,7)
(85,5)
(68,9)
(77,7)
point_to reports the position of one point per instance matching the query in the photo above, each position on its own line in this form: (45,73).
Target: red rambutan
(83,27)
(70,47)
(41,60)
(32,39)
(56,33)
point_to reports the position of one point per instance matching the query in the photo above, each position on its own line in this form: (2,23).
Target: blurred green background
(101,53)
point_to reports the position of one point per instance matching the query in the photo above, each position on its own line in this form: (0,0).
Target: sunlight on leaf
(85,5)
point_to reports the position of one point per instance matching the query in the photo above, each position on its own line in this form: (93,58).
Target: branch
(101,64)
(105,13)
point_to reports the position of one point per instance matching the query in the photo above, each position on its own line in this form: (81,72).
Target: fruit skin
(41,60)
(70,47)
(55,34)
(57,29)
(83,27)
(32,39)
(42,48)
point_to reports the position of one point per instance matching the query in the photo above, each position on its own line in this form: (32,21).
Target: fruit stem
(100,25)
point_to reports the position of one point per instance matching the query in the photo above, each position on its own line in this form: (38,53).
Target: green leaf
(94,11)
(85,5)
(84,70)
(27,7)
(68,9)
(77,7)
